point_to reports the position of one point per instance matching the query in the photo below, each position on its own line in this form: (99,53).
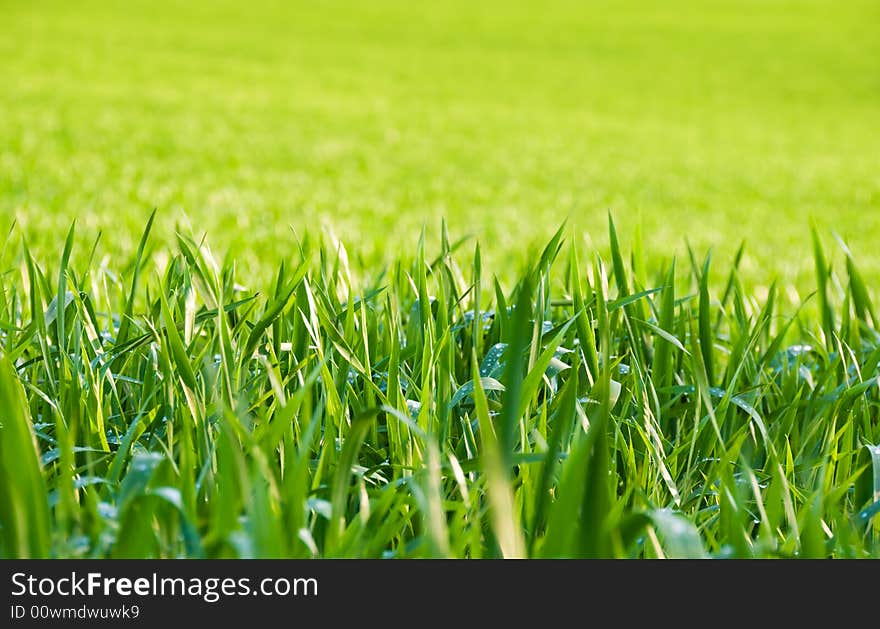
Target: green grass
(588,410)
(392,351)
(719,120)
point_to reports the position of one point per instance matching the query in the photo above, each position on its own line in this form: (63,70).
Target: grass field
(280,362)
(715,120)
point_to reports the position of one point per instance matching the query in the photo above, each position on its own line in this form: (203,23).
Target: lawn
(332,312)
(716,121)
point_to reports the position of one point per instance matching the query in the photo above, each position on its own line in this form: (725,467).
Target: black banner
(169,592)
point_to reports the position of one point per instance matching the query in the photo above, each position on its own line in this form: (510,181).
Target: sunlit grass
(714,120)
(593,408)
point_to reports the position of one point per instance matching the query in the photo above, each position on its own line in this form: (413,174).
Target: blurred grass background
(714,121)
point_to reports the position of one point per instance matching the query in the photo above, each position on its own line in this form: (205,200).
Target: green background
(714,121)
